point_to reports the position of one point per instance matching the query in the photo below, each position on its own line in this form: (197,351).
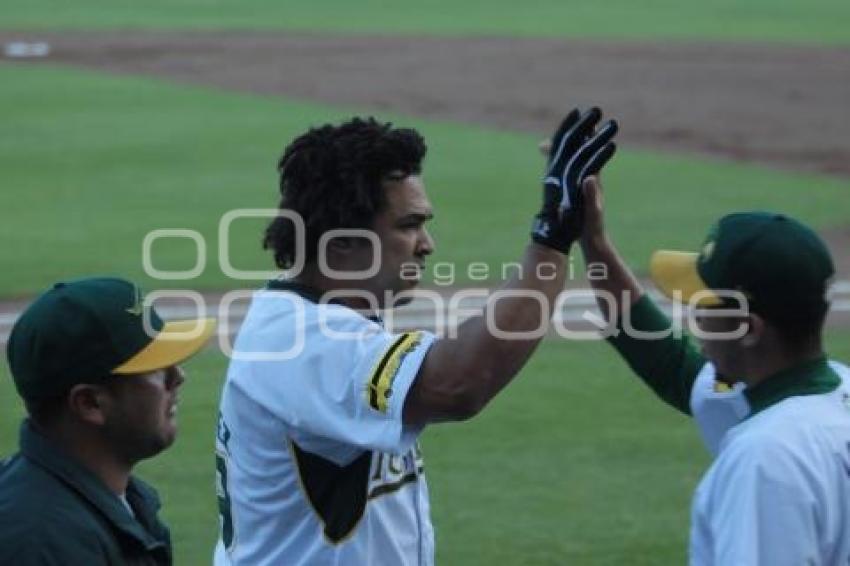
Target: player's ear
(336,252)
(88,403)
(340,245)
(755,331)
(349,253)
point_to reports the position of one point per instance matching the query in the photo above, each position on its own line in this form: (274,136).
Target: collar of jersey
(809,378)
(309,293)
(304,291)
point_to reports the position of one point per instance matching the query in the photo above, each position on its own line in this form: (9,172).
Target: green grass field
(92,163)
(575,463)
(815,21)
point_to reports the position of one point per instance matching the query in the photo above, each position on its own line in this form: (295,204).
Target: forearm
(643,335)
(666,362)
(514,321)
(610,277)
(463,373)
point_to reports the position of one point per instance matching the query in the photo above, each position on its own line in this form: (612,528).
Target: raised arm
(666,363)
(619,281)
(460,375)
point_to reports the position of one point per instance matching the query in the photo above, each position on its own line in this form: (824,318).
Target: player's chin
(167,436)
(155,442)
(403,295)
(411,280)
(414,283)
(168,427)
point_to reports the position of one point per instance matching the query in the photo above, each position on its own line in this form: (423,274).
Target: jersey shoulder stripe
(381,380)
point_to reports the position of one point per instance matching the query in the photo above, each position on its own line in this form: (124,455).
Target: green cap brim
(676,275)
(177,341)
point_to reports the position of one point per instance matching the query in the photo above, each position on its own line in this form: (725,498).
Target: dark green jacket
(54,511)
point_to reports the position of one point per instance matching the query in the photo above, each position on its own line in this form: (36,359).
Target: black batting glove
(577,151)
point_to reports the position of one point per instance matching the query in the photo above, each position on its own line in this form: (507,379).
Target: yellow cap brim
(676,275)
(177,341)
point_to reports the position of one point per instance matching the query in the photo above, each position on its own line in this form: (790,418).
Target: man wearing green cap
(770,405)
(97,370)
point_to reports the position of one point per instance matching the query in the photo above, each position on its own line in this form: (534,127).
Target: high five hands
(577,150)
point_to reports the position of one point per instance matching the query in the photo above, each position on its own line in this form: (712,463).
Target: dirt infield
(782,106)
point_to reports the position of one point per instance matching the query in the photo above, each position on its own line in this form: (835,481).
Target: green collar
(809,378)
(42,452)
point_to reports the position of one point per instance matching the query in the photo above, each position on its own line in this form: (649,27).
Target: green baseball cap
(779,264)
(86,330)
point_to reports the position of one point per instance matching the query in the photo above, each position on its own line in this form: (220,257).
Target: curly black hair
(332,177)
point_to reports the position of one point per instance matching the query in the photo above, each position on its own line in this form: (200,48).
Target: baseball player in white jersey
(769,404)
(317,454)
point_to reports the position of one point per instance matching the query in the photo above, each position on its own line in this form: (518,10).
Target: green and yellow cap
(779,264)
(86,330)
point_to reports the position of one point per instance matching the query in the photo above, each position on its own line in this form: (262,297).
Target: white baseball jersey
(779,491)
(315,466)
(716,408)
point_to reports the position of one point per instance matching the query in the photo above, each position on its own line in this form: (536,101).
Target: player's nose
(426,243)
(175,377)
